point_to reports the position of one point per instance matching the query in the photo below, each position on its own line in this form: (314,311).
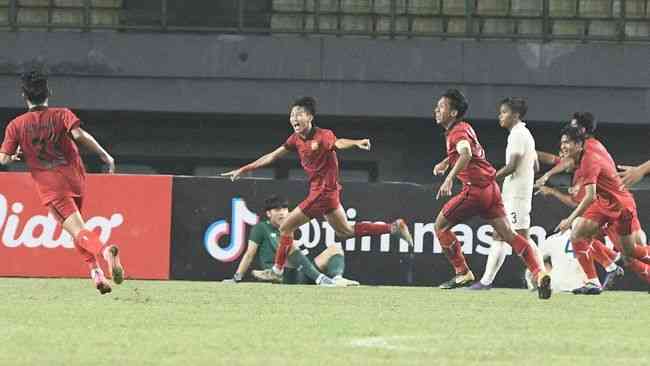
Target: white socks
(495,260)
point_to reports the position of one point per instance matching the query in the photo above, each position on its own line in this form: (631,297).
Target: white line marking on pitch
(387,343)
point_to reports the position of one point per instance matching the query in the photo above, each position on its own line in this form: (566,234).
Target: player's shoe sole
(402,231)
(114,265)
(544,286)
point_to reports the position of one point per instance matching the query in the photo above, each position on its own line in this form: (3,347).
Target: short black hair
(585,120)
(34,85)
(307,103)
(275,201)
(516,104)
(574,133)
(457,100)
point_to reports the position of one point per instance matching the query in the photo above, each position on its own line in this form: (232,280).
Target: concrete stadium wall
(253,75)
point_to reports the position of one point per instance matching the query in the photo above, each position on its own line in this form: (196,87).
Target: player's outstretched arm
(245,262)
(262,161)
(631,175)
(547,158)
(589,198)
(564,165)
(87,140)
(342,144)
(562,197)
(465,152)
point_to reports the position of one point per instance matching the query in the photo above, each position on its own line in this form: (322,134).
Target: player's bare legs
(527,252)
(453,251)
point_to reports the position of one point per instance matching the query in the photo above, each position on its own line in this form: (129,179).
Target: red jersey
(49,151)
(598,167)
(318,158)
(479,171)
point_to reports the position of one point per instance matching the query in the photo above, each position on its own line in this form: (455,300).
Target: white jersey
(519,184)
(566,274)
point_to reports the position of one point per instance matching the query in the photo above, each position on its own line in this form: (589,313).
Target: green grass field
(65,322)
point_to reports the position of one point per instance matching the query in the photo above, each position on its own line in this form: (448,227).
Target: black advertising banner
(211,218)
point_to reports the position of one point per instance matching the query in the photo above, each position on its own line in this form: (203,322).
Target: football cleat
(460,280)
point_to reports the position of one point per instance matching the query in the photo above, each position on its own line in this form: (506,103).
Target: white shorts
(518,212)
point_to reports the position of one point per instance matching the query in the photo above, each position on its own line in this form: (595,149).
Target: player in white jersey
(560,263)
(517,192)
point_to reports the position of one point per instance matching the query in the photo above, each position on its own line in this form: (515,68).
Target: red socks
(602,254)
(582,249)
(526,252)
(641,253)
(89,241)
(367,228)
(640,268)
(286,242)
(451,248)
(89,246)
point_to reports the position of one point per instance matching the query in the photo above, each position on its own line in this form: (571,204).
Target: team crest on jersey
(314,145)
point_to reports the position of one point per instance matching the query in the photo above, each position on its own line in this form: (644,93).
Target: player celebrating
(46,137)
(480,195)
(316,148)
(605,201)
(263,243)
(519,174)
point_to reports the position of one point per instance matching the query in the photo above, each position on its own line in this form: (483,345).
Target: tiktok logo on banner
(241,216)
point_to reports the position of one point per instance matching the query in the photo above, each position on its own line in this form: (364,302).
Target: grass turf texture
(65,322)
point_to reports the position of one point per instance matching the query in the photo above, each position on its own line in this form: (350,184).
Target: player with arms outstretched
(316,148)
(47,139)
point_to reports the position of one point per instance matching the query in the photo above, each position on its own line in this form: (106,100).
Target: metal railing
(612,20)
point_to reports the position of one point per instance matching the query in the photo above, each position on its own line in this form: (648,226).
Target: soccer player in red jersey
(46,138)
(605,201)
(480,195)
(316,148)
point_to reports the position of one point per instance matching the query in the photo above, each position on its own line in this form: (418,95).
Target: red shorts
(603,215)
(320,203)
(64,207)
(472,200)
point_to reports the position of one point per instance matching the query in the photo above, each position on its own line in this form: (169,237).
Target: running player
(263,243)
(605,201)
(605,256)
(480,195)
(47,138)
(519,174)
(316,148)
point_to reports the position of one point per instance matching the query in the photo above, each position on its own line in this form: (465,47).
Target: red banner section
(131,211)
